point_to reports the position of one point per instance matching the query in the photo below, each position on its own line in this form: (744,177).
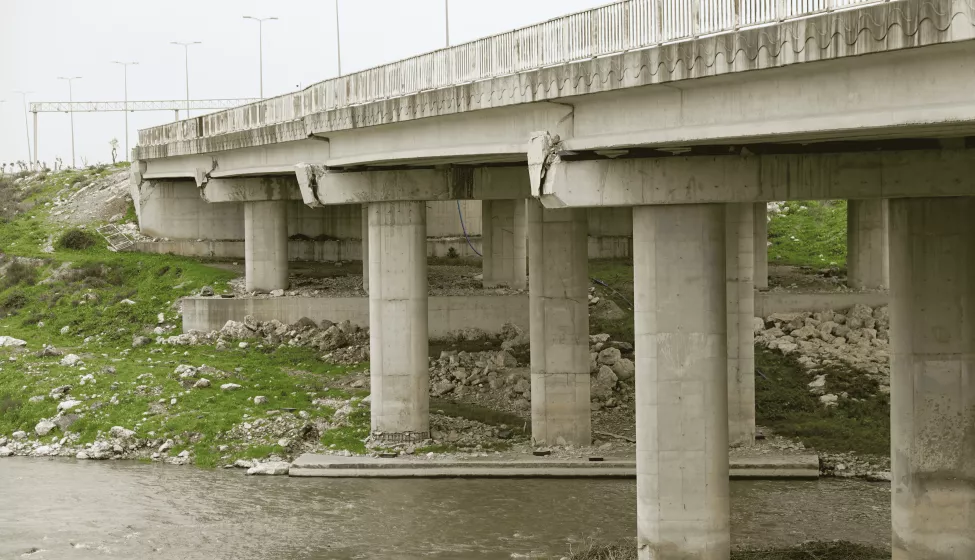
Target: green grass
(809,234)
(784,404)
(351,436)
(618,275)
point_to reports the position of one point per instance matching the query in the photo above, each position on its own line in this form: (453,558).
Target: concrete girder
(320,185)
(724,179)
(251,189)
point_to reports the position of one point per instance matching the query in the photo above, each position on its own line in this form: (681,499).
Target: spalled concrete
(740,262)
(558,288)
(681,325)
(932,284)
(398,318)
(504,242)
(266,245)
(867,255)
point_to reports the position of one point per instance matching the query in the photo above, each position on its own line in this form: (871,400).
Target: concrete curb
(329,466)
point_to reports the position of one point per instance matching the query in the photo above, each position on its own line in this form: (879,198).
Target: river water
(85,509)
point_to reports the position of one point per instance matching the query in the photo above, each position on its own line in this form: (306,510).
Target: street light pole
(23,95)
(338,38)
(260,38)
(446,18)
(125,68)
(186,49)
(71,111)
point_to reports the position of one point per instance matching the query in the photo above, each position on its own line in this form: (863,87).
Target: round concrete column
(681,382)
(761,245)
(740,242)
(932,389)
(867,256)
(266,245)
(365,247)
(398,319)
(559,315)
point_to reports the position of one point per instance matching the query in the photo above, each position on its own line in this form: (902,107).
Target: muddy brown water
(68,509)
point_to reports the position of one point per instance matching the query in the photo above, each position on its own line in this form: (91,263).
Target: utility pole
(23,95)
(71,111)
(125,68)
(446,18)
(186,49)
(338,38)
(260,38)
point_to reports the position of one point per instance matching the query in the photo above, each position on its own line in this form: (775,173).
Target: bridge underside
(892,131)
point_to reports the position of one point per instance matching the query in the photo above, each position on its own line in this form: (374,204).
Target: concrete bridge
(690,112)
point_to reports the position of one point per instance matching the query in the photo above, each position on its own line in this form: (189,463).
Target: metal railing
(103,106)
(615,28)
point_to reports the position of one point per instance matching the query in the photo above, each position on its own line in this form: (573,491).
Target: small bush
(12,302)
(19,273)
(452,253)
(76,240)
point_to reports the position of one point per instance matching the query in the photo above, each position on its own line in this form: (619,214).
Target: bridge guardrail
(619,27)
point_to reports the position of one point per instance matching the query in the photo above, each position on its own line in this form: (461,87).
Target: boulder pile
(857,339)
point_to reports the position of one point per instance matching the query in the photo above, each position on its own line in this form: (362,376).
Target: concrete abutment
(559,333)
(932,285)
(399,339)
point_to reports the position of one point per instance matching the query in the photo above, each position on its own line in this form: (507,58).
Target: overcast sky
(41,40)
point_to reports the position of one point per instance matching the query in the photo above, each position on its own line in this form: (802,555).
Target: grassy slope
(154,283)
(809,234)
(807,551)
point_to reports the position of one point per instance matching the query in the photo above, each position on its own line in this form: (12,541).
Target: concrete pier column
(266,245)
(681,382)
(867,254)
(504,243)
(365,247)
(559,315)
(398,342)
(740,257)
(761,245)
(932,367)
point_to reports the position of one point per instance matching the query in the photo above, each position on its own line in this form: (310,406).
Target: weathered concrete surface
(867,255)
(761,246)
(446,313)
(558,289)
(932,390)
(681,325)
(505,243)
(333,466)
(398,319)
(365,247)
(266,245)
(740,263)
(786,302)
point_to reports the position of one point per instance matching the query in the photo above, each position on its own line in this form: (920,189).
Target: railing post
(658,20)
(781,10)
(695,18)
(736,15)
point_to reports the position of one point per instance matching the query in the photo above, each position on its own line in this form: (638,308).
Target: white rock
(183,454)
(65,406)
(121,433)
(19,435)
(260,400)
(166,446)
(161,318)
(87,378)
(100,450)
(42,451)
(81,455)
(5,452)
(65,329)
(11,342)
(270,469)
(243,345)
(829,400)
(71,360)
(127,302)
(243,464)
(202,384)
(230,387)
(37,399)
(42,428)
(819,382)
(277,293)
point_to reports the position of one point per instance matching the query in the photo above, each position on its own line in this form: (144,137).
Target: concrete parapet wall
(767,303)
(446,313)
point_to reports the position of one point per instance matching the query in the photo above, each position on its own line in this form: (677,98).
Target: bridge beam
(932,373)
(714,179)
(321,186)
(251,189)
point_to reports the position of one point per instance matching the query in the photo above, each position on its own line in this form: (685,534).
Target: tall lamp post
(125,68)
(446,19)
(71,111)
(186,52)
(260,38)
(338,38)
(23,95)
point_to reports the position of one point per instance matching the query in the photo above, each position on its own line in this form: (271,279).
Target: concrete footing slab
(333,466)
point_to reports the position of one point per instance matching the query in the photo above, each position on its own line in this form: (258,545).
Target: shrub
(19,273)
(76,240)
(12,302)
